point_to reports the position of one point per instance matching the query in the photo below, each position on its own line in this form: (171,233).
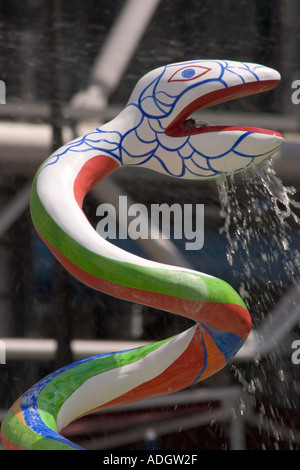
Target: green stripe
(20,435)
(62,386)
(176,283)
(59,389)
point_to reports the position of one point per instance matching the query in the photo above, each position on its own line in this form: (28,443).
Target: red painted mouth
(183,125)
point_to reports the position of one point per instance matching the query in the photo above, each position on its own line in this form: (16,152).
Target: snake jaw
(166,138)
(184,125)
(227,149)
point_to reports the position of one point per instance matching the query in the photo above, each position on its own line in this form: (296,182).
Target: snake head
(169,140)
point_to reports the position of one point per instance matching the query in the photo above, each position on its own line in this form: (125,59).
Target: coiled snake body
(156,131)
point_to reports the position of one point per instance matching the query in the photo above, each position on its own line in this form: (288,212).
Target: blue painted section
(228,343)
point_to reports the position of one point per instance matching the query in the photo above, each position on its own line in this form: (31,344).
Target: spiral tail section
(96,383)
(36,419)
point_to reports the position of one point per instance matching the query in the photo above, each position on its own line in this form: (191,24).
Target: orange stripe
(8,445)
(215,359)
(179,375)
(16,409)
(227,317)
(93,171)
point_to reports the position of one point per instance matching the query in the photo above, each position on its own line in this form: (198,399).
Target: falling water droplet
(281,375)
(259,215)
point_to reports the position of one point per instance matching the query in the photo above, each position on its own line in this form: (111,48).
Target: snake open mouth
(185,124)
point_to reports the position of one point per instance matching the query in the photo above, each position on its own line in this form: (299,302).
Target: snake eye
(188,73)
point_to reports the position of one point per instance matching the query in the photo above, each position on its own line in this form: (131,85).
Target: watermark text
(2,352)
(2,92)
(296,354)
(137,221)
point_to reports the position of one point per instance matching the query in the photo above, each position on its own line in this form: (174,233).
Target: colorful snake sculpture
(156,130)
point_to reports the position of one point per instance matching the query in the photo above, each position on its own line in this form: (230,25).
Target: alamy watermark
(2,92)
(296,94)
(296,354)
(2,352)
(137,221)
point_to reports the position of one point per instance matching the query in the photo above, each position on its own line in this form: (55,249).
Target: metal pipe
(21,349)
(14,209)
(114,57)
(30,144)
(272,332)
(160,428)
(121,43)
(227,396)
